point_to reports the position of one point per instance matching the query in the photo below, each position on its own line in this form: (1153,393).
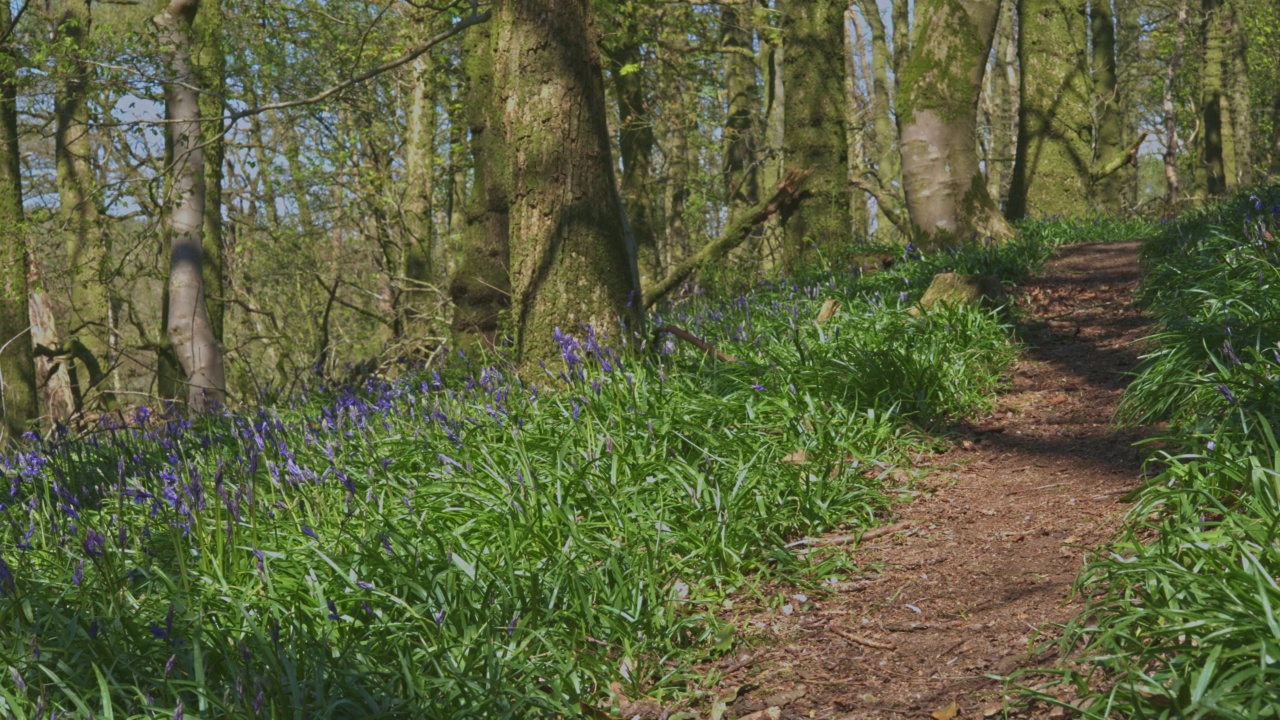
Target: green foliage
(472,544)
(1181,621)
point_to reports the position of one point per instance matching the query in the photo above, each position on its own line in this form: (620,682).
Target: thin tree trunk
(210,66)
(1002,90)
(1131,82)
(188,326)
(481,285)
(86,244)
(1052,171)
(679,118)
(635,143)
(772,63)
(741,177)
(1108,192)
(1170,113)
(816,138)
(937,119)
(856,109)
(417,267)
(888,159)
(1240,103)
(901,16)
(18,405)
(1211,180)
(570,266)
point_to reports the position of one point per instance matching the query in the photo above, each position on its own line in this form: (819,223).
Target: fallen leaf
(946,713)
(799,457)
(829,309)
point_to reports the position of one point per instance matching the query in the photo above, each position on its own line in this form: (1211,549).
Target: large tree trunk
(86,244)
(18,406)
(816,140)
(1053,168)
(570,266)
(937,119)
(1211,180)
(481,285)
(635,146)
(1109,146)
(188,326)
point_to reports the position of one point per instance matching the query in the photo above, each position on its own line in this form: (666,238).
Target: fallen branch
(860,640)
(1130,156)
(697,342)
(846,539)
(787,192)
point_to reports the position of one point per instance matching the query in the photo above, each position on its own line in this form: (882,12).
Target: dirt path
(998,535)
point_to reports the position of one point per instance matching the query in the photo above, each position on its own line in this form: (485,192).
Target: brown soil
(998,531)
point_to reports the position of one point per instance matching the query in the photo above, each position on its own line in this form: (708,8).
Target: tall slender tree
(741,170)
(937,122)
(209,61)
(1108,190)
(188,327)
(1211,177)
(18,405)
(816,138)
(570,265)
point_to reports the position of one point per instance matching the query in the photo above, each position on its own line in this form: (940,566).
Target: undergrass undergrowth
(463,542)
(1182,618)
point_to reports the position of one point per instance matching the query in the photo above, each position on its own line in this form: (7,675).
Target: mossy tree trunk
(1131,80)
(417,248)
(636,143)
(937,122)
(1109,189)
(188,327)
(1172,181)
(1240,101)
(771,60)
(210,64)
(18,404)
(481,285)
(570,266)
(741,172)
(676,147)
(1211,179)
(815,134)
(86,245)
(901,16)
(888,159)
(1053,167)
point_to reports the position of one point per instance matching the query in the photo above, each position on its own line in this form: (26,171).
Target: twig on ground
(860,640)
(697,342)
(846,539)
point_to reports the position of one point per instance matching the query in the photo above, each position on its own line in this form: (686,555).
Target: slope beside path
(1000,527)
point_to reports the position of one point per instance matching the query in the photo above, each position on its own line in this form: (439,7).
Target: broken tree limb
(787,192)
(1131,156)
(697,342)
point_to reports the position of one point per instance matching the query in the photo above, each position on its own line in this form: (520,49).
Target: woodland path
(999,530)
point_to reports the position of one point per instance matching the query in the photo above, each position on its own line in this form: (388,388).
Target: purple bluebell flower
(306,530)
(758,388)
(1226,393)
(77,575)
(440,618)
(1211,445)
(333,609)
(93,544)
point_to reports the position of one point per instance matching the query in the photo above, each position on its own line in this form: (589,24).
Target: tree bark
(1052,170)
(815,133)
(18,405)
(210,65)
(1211,180)
(1002,89)
(771,66)
(635,145)
(901,16)
(188,325)
(741,177)
(78,215)
(1240,101)
(857,108)
(937,119)
(888,159)
(418,269)
(570,266)
(1109,141)
(1131,82)
(1170,113)
(481,284)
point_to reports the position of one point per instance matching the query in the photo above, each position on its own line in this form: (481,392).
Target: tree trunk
(1131,81)
(1211,180)
(901,16)
(481,285)
(1001,100)
(676,150)
(635,146)
(18,406)
(418,270)
(1170,113)
(188,326)
(741,177)
(888,159)
(1109,142)
(815,133)
(78,210)
(857,108)
(1240,101)
(937,117)
(772,62)
(1053,168)
(210,66)
(570,266)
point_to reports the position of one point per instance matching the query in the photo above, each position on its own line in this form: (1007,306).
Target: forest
(639,358)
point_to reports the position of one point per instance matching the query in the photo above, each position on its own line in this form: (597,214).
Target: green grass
(1182,616)
(472,544)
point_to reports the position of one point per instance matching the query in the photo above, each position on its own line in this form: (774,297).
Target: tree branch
(1120,160)
(366,75)
(787,192)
